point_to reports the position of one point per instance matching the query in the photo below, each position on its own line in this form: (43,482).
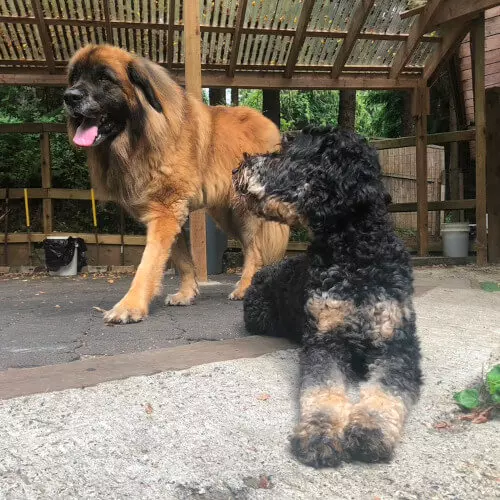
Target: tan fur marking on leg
(326,400)
(329,313)
(323,412)
(388,316)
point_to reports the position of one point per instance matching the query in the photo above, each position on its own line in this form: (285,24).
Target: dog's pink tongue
(85,135)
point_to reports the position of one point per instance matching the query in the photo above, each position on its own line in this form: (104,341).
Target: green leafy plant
(468,399)
(487,394)
(493,383)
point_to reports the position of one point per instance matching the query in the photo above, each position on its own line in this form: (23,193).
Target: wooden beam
(452,10)
(493,173)
(357,21)
(32,128)
(452,35)
(433,206)
(192,44)
(240,19)
(420,111)
(418,28)
(210,29)
(247,80)
(440,138)
(300,35)
(44,33)
(47,208)
(411,12)
(478,49)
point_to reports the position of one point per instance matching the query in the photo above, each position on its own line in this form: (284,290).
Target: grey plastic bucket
(455,239)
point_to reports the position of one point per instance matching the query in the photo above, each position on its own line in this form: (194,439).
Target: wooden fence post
(420,111)
(478,51)
(48,210)
(192,44)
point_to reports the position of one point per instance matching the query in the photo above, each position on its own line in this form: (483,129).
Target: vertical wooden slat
(44,34)
(420,112)
(300,35)
(192,42)
(478,49)
(48,211)
(240,19)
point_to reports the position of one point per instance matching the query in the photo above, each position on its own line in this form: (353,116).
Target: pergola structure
(275,44)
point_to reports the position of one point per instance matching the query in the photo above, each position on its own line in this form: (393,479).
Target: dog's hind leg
(394,379)
(274,303)
(324,405)
(183,263)
(263,243)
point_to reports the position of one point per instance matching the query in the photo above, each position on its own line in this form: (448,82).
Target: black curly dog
(348,301)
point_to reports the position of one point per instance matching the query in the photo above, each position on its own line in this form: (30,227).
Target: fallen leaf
(111,281)
(263,397)
(442,425)
(478,417)
(148,408)
(265,483)
(99,309)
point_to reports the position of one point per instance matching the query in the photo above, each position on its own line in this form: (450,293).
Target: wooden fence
(113,244)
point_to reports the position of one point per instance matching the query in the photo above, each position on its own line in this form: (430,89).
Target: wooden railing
(47,193)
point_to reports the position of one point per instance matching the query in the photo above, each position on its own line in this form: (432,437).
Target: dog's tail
(274,241)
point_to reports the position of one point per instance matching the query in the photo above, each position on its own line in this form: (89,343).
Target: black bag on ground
(59,253)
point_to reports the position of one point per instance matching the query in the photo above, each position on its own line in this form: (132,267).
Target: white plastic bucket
(71,268)
(455,239)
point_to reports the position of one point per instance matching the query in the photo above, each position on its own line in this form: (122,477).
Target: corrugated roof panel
(280,14)
(215,48)
(218,12)
(318,51)
(13,9)
(373,52)
(423,52)
(73,9)
(20,42)
(331,15)
(264,49)
(384,18)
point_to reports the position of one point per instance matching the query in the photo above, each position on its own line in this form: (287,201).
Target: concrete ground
(219,430)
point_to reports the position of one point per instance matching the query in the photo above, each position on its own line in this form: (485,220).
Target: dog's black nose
(73,96)
(235,171)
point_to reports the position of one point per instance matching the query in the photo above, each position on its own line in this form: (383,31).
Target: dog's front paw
(317,442)
(237,294)
(372,435)
(180,299)
(126,312)
(368,444)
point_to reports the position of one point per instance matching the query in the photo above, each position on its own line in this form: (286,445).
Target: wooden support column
(192,44)
(493,173)
(478,50)
(47,208)
(420,111)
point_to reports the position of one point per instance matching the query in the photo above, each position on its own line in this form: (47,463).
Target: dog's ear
(137,75)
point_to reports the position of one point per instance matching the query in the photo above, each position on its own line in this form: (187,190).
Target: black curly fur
(349,300)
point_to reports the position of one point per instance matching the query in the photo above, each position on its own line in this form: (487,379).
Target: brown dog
(161,153)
